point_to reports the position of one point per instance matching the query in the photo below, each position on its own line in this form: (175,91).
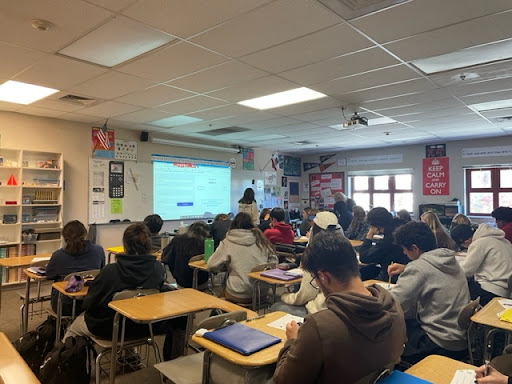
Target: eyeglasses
(313,282)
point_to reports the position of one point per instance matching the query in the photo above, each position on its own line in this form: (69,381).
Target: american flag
(103,136)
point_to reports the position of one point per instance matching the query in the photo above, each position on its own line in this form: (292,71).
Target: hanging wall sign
(435,150)
(436,176)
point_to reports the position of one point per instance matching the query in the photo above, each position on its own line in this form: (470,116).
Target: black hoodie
(129,272)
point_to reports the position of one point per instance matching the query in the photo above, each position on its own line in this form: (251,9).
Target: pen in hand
(486,370)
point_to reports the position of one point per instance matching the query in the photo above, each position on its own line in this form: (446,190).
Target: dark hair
(358,217)
(379,217)
(74,234)
(502,213)
(461,232)
(243,221)
(415,233)
(248,197)
(137,240)
(154,223)
(307,209)
(264,212)
(331,252)
(404,215)
(277,213)
(199,230)
(221,216)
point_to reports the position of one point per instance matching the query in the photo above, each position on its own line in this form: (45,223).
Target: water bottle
(208,248)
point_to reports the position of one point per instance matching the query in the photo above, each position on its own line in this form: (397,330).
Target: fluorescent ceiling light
(467,57)
(177,143)
(293,96)
(338,127)
(174,121)
(23,93)
(490,105)
(116,41)
(380,121)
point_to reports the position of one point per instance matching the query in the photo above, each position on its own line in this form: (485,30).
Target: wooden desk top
(356,243)
(13,369)
(171,304)
(59,286)
(488,315)
(378,282)
(264,357)
(269,280)
(437,369)
(20,261)
(301,240)
(200,264)
(33,276)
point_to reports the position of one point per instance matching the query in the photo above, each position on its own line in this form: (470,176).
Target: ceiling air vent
(78,100)
(304,142)
(503,119)
(224,131)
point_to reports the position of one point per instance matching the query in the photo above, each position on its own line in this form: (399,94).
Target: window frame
(495,188)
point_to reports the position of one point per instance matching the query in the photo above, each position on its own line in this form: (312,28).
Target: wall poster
(436,176)
(322,187)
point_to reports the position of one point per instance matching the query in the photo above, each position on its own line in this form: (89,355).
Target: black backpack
(35,345)
(69,362)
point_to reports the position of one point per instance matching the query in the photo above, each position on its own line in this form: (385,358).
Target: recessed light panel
(174,121)
(23,93)
(380,121)
(491,105)
(280,99)
(116,41)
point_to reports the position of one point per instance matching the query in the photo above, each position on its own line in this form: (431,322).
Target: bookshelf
(31,197)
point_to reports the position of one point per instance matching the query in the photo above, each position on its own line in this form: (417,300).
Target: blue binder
(397,377)
(242,339)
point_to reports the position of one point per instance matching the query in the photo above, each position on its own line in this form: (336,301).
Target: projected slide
(190,188)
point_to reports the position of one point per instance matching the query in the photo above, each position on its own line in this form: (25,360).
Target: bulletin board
(322,187)
(137,202)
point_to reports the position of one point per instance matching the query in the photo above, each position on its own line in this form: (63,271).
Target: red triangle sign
(12,181)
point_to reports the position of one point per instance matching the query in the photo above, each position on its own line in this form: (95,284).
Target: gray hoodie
(489,259)
(433,289)
(239,252)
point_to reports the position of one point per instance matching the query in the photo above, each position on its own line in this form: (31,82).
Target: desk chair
(465,323)
(126,347)
(267,301)
(194,369)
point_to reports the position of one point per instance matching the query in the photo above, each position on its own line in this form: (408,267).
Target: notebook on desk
(242,339)
(397,377)
(278,274)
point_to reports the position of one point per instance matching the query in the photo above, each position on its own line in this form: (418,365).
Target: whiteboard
(240,180)
(137,202)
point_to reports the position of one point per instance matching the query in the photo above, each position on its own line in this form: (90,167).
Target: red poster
(103,142)
(322,187)
(436,176)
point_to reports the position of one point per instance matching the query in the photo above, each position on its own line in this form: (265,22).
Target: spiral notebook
(242,339)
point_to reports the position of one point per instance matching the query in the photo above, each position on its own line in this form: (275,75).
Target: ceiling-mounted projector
(356,121)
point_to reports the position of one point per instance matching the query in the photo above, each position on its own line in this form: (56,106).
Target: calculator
(116,179)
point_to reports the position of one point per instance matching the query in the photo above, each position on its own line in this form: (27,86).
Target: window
(393,192)
(486,189)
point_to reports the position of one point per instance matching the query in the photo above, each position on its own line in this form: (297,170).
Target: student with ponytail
(243,248)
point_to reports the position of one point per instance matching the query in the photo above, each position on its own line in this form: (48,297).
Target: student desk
(256,291)
(17,262)
(114,251)
(164,306)
(59,286)
(197,266)
(30,276)
(356,243)
(437,369)
(301,240)
(264,357)
(488,316)
(13,369)
(384,284)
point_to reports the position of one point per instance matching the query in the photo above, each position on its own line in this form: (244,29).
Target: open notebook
(278,274)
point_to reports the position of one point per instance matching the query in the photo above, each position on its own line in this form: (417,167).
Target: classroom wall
(412,159)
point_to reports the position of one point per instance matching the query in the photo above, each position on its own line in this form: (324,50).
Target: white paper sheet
(463,376)
(41,258)
(384,285)
(281,323)
(505,303)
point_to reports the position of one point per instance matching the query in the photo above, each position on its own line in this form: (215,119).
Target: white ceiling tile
(58,72)
(155,96)
(452,38)
(57,105)
(109,109)
(185,18)
(111,85)
(30,110)
(465,76)
(246,34)
(114,5)
(408,100)
(487,97)
(71,19)
(171,62)
(222,112)
(450,106)
(143,116)
(497,113)
(19,59)
(221,76)
(377,25)
(192,104)
(342,66)
(477,88)
(12,107)
(307,106)
(80,118)
(322,45)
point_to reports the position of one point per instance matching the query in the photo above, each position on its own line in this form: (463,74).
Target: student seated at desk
(181,249)
(358,228)
(137,268)
(243,248)
(78,255)
(383,252)
(443,239)
(305,226)
(308,299)
(154,224)
(488,262)
(279,231)
(503,217)
(264,220)
(219,228)
(361,332)
(431,290)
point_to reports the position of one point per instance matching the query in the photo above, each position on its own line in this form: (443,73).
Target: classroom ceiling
(217,53)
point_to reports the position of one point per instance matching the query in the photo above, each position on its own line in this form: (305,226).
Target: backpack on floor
(69,362)
(35,345)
